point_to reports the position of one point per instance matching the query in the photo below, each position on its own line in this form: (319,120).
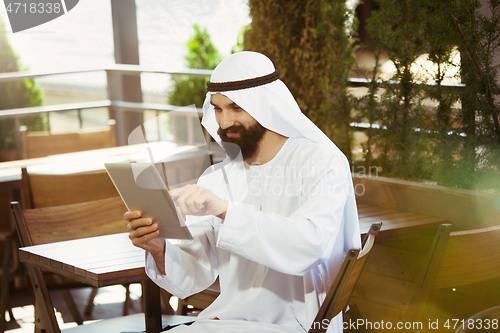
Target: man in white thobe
(273,221)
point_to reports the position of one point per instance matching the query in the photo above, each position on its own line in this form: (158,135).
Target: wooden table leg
(152,307)
(45,318)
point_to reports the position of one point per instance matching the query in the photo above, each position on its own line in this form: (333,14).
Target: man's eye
(217,109)
(236,108)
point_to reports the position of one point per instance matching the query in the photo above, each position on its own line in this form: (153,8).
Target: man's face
(236,126)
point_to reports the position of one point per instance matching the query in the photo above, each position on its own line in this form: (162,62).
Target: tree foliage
(396,30)
(201,54)
(284,31)
(420,127)
(16,94)
(478,39)
(335,116)
(456,141)
(309,40)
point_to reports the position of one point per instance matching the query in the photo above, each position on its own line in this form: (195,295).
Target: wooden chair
(62,223)
(40,144)
(48,190)
(68,222)
(456,259)
(340,292)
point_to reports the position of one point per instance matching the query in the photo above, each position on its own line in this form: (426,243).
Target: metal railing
(112,104)
(118,105)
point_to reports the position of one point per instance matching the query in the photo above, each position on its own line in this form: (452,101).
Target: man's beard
(247,141)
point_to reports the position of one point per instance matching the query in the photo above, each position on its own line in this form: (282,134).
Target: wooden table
(99,261)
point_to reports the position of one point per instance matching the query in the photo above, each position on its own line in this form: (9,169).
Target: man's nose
(226,120)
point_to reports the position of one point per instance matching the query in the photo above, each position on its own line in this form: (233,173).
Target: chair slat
(89,219)
(48,190)
(40,144)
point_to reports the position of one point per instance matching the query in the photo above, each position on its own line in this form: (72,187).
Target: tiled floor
(108,304)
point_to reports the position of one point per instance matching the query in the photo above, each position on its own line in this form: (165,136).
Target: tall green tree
(16,94)
(367,107)
(310,42)
(335,116)
(444,141)
(478,39)
(285,31)
(397,29)
(201,54)
(465,145)
(456,146)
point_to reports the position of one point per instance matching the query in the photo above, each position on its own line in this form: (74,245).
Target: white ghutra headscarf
(271,104)
(251,80)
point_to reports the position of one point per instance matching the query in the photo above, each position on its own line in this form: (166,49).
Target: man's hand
(197,200)
(143,233)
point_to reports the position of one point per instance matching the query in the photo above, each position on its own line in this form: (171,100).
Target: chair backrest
(415,309)
(469,256)
(455,259)
(340,292)
(40,144)
(55,224)
(46,190)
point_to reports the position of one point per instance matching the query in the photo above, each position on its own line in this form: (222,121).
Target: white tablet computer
(141,188)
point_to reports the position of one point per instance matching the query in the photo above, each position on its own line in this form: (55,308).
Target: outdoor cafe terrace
(411,214)
(430,262)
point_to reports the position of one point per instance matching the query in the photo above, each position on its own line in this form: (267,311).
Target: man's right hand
(143,233)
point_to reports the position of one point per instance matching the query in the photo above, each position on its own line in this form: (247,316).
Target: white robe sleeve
(295,244)
(190,266)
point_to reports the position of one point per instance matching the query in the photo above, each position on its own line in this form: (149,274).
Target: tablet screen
(141,188)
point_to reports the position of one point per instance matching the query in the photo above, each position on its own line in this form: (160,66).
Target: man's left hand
(197,200)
